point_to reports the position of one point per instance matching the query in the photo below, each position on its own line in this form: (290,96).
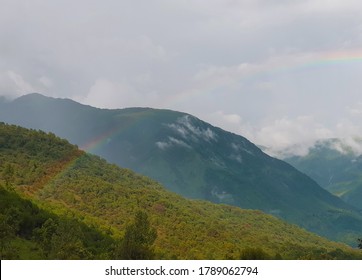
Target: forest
(58,202)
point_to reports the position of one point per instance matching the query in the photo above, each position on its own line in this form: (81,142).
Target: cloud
(256,68)
(348,145)
(163,145)
(295,136)
(281,137)
(172,142)
(348,128)
(46,81)
(231,122)
(291,136)
(187,129)
(107,94)
(285,137)
(13,85)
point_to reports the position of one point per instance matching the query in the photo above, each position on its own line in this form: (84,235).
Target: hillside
(29,232)
(336,167)
(56,180)
(192,158)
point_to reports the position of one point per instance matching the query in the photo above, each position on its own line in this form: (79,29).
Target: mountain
(59,202)
(335,166)
(191,158)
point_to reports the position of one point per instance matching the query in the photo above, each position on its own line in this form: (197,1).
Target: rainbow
(101,140)
(304,63)
(273,67)
(105,137)
(320,60)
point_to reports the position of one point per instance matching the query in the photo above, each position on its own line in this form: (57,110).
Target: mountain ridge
(192,158)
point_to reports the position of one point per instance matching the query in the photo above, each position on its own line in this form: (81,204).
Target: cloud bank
(280,73)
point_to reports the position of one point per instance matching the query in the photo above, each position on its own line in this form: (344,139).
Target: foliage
(254,254)
(138,239)
(7,174)
(66,204)
(7,232)
(22,223)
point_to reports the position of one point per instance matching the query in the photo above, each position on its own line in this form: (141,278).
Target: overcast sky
(279,72)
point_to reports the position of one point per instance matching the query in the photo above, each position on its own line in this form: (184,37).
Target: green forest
(57,202)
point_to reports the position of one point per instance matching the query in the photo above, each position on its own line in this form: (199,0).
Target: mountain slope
(56,177)
(192,158)
(28,232)
(333,164)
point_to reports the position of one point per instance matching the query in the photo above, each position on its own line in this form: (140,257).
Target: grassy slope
(58,177)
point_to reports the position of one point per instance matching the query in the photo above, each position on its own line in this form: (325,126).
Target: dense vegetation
(192,158)
(33,233)
(56,199)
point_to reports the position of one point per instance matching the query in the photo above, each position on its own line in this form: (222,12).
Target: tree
(359,240)
(8,174)
(62,240)
(66,242)
(7,233)
(44,235)
(254,254)
(138,240)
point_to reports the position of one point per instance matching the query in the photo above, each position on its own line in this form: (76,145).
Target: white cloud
(12,84)
(348,145)
(171,142)
(348,128)
(205,134)
(181,130)
(105,93)
(163,145)
(179,142)
(231,122)
(281,137)
(251,67)
(284,136)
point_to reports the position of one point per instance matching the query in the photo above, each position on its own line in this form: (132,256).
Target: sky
(282,73)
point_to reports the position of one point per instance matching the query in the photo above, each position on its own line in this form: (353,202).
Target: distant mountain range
(335,166)
(192,158)
(57,202)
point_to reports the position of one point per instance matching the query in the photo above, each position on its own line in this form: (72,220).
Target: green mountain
(191,158)
(58,202)
(335,166)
